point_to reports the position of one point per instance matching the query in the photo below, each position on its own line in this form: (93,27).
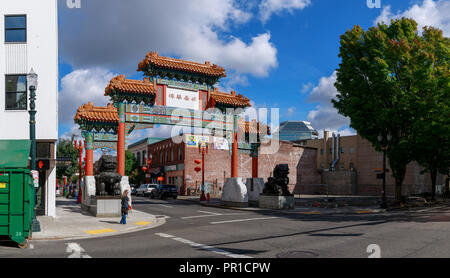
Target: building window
(171,155)
(144,153)
(352,165)
(16,92)
(43,150)
(342,150)
(342,166)
(15,28)
(352,150)
(321,151)
(180,154)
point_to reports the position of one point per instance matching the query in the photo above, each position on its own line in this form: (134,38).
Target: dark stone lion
(278,185)
(107,182)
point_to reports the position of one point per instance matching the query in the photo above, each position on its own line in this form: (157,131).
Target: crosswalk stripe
(242,220)
(204,247)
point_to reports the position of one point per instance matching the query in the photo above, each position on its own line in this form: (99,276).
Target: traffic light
(43,164)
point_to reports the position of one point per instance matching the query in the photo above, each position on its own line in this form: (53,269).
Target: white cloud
(269,7)
(74,131)
(325,116)
(325,91)
(110,34)
(80,87)
(291,111)
(430,13)
(342,132)
(307,87)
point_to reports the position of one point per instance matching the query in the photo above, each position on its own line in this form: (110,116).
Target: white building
(29,39)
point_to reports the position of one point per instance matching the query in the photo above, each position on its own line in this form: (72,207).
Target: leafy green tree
(132,168)
(431,132)
(66,149)
(382,74)
(130,163)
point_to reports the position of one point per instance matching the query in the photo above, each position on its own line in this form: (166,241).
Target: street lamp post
(385,145)
(148,161)
(79,146)
(203,150)
(32,80)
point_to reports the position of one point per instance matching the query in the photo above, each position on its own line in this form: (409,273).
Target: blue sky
(278,53)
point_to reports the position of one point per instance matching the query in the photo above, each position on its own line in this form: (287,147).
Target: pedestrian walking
(125,200)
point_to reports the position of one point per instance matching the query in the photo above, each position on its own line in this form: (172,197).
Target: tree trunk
(399,176)
(447,186)
(398,189)
(433,174)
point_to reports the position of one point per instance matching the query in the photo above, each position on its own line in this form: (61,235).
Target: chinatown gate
(178,93)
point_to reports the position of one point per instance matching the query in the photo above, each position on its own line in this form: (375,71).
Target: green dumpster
(16,190)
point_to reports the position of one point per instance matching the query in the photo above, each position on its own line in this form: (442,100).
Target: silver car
(145,189)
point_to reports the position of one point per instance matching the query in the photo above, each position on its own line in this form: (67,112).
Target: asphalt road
(195,231)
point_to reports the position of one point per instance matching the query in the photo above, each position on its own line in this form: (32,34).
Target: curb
(357,212)
(158,222)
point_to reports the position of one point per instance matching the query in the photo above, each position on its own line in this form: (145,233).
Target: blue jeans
(124,218)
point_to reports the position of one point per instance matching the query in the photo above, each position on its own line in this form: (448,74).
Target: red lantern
(198,169)
(198,161)
(144,168)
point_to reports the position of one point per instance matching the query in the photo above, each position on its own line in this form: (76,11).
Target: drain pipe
(336,157)
(332,151)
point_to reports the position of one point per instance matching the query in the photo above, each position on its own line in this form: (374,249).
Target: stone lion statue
(278,185)
(107,182)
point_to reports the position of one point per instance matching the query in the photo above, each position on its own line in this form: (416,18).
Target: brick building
(356,164)
(174,159)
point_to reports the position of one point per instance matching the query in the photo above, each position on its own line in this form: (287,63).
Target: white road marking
(210,214)
(204,247)
(429,209)
(76,251)
(166,206)
(242,220)
(207,212)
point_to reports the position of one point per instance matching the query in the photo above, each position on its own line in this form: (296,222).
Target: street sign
(35,178)
(63,161)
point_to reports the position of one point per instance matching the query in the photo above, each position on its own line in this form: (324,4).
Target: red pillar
(121,149)
(80,161)
(89,162)
(89,147)
(254,167)
(234,157)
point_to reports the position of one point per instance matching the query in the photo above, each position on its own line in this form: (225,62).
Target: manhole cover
(297,254)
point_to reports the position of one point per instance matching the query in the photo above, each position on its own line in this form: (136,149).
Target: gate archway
(173,92)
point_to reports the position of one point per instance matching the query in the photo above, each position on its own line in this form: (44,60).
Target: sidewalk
(73,223)
(299,209)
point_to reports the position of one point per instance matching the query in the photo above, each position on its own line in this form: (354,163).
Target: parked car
(133,189)
(145,189)
(163,191)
